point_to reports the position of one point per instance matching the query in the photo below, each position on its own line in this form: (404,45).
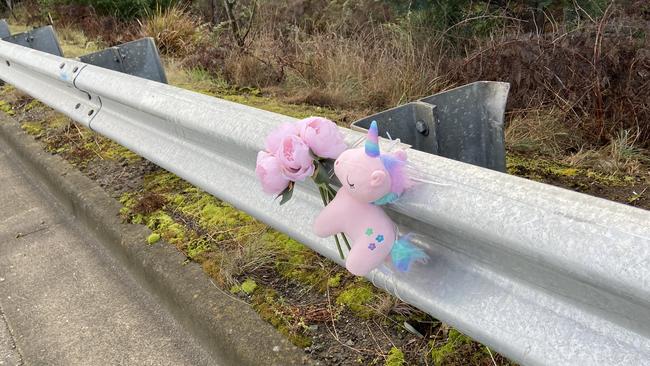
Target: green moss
(612,180)
(113,151)
(6,107)
(33,104)
(455,339)
(32,128)
(272,105)
(395,357)
(249,286)
(203,82)
(540,169)
(164,182)
(60,120)
(153,238)
(334,281)
(356,296)
(298,261)
(196,246)
(163,224)
(566,172)
(218,214)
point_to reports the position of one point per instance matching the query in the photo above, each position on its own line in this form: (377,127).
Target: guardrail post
(464,124)
(41,39)
(4,29)
(138,58)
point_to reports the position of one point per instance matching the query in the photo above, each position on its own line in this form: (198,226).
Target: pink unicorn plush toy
(369,179)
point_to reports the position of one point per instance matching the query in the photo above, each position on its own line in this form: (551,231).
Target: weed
(6,108)
(334,281)
(174,29)
(33,128)
(153,238)
(248,286)
(395,357)
(455,340)
(541,132)
(273,309)
(356,296)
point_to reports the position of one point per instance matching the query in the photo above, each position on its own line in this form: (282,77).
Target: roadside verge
(226,327)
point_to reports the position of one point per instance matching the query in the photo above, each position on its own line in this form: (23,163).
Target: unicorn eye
(348,181)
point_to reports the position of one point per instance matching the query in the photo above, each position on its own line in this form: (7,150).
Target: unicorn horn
(372,141)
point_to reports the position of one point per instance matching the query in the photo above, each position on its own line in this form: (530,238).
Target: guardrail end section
(41,39)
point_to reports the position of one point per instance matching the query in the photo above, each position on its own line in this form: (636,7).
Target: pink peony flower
(270,174)
(322,136)
(295,160)
(272,143)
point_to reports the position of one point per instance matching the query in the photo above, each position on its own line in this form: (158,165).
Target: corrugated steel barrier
(544,275)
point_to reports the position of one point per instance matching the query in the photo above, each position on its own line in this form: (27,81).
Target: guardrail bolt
(75,69)
(90,112)
(62,65)
(422,127)
(77,106)
(8,63)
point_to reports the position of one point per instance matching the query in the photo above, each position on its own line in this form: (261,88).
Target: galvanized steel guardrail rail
(543,275)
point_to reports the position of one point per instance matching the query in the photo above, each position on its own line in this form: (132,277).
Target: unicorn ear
(372,141)
(377,178)
(400,154)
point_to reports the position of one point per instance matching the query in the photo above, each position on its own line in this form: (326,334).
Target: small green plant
(6,107)
(356,297)
(248,286)
(153,238)
(455,339)
(334,281)
(395,357)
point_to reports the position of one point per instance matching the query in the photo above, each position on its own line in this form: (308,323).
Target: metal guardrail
(139,58)
(544,275)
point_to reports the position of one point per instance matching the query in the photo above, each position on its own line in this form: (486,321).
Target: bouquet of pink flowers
(295,151)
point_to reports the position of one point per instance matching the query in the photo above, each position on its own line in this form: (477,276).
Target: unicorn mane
(395,164)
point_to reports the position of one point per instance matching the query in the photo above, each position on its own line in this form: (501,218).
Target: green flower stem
(331,193)
(338,246)
(324,196)
(347,243)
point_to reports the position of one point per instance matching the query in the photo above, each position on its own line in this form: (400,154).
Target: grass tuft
(175,30)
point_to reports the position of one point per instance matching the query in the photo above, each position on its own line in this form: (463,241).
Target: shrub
(175,30)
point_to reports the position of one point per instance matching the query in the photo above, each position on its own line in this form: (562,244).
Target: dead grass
(594,75)
(542,132)
(621,155)
(377,68)
(253,257)
(74,42)
(175,30)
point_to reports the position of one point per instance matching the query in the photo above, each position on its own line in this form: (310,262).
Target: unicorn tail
(404,253)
